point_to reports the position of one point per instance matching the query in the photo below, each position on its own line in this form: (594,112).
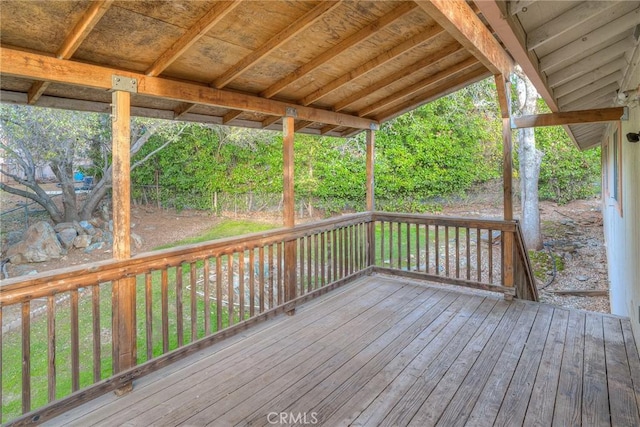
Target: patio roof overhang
(579,54)
(337,67)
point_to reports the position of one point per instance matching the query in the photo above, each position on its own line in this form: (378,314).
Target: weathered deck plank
(385,351)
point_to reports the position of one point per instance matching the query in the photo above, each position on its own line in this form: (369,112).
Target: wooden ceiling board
(400,84)
(179,14)
(124,39)
(424,90)
(542,11)
(39,25)
(593,23)
(205,60)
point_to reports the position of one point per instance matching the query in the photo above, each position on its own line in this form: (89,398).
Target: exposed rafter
(568,118)
(183,109)
(72,42)
(301,124)
(192,35)
(441,54)
(295,28)
(589,41)
(463,24)
(590,77)
(589,63)
(566,22)
(416,87)
(271,120)
(614,78)
(230,116)
(29,65)
(373,64)
(430,95)
(517,6)
(359,36)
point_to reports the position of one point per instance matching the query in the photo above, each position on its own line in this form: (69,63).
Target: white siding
(622,232)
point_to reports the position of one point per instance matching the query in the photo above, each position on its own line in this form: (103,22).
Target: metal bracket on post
(625,114)
(123,83)
(291,112)
(374,126)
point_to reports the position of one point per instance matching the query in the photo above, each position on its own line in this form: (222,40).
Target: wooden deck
(387,351)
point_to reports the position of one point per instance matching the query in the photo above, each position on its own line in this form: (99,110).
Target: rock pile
(42,242)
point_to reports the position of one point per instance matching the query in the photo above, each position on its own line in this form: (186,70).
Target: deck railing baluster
(179,307)
(241,299)
(165,309)
(51,348)
(446,250)
(75,342)
(193,280)
(230,289)
(148,306)
(218,293)
(26,357)
(206,291)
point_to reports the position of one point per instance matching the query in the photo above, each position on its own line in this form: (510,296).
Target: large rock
(39,244)
(82,241)
(66,236)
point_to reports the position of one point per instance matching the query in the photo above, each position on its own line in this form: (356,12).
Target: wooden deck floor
(385,351)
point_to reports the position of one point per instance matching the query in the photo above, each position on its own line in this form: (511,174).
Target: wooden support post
(508,259)
(371,205)
(124,329)
(290,247)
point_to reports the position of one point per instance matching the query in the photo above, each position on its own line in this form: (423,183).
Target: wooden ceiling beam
(441,54)
(416,87)
(590,63)
(230,116)
(569,20)
(269,121)
(591,88)
(40,67)
(72,42)
(183,109)
(378,61)
(568,118)
(328,128)
(192,35)
(83,27)
(459,20)
(36,90)
(590,40)
(590,77)
(517,6)
(295,28)
(433,94)
(352,40)
(302,124)
(607,93)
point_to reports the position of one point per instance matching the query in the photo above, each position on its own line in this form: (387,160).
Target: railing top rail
(22,288)
(485,223)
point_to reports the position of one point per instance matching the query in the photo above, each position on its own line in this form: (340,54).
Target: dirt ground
(572,234)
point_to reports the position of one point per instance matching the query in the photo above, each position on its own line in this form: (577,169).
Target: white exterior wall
(622,226)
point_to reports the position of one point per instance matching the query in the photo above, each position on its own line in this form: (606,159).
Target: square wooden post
(371,205)
(290,275)
(124,328)
(504,98)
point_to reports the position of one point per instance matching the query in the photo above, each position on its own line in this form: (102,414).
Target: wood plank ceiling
(579,54)
(343,66)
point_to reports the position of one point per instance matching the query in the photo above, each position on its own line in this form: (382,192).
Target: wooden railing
(58,329)
(58,336)
(462,251)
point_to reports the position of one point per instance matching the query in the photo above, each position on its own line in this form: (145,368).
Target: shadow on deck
(393,351)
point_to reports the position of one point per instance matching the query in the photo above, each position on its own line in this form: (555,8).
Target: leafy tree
(35,136)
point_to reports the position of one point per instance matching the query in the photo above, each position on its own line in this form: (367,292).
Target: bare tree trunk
(530,160)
